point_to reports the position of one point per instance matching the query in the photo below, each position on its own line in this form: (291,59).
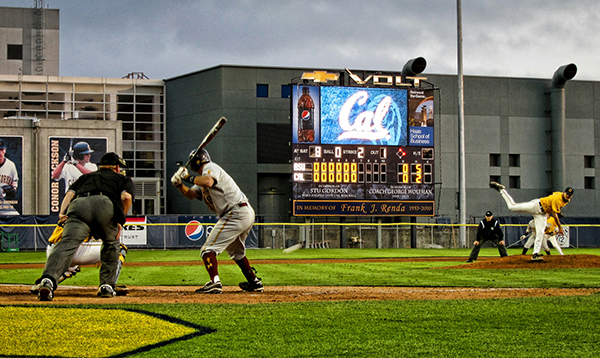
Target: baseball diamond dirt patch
(19,294)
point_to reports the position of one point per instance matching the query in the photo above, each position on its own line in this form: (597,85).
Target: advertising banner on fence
(196,229)
(135,232)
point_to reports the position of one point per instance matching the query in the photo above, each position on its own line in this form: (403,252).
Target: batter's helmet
(81,148)
(197,159)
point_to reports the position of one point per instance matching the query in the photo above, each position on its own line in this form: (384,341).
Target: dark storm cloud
(169,38)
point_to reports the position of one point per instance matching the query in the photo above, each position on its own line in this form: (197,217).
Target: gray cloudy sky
(167,38)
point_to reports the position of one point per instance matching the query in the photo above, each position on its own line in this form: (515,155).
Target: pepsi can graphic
(306,121)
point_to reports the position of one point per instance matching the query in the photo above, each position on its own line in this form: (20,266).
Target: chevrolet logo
(320,76)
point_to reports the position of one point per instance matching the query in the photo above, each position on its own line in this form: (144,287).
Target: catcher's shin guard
(71,272)
(122,255)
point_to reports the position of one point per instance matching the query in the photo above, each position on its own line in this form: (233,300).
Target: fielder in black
(95,204)
(488,230)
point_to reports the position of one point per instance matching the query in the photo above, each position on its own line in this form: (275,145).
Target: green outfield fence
(180,232)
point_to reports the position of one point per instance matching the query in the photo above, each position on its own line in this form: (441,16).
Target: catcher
(87,254)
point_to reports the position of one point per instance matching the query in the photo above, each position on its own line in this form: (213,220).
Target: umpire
(488,230)
(95,204)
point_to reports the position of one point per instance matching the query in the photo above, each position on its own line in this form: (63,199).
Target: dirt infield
(19,294)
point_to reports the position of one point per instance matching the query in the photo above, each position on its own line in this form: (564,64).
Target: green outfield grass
(323,274)
(519,327)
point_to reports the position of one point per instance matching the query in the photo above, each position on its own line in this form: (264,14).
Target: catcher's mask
(197,159)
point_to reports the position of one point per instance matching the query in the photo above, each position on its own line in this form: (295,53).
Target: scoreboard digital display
(362,151)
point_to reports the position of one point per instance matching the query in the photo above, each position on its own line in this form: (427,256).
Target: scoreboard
(362,151)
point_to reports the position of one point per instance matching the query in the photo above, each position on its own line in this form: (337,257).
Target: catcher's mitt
(9,192)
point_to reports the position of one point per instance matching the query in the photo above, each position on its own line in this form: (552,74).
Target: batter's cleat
(496,186)
(254,286)
(469,261)
(45,290)
(537,257)
(106,291)
(121,290)
(211,287)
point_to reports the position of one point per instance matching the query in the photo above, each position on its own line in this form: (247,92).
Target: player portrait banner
(11,167)
(363,208)
(71,157)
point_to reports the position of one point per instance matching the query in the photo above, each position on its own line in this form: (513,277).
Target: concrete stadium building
(518,131)
(509,137)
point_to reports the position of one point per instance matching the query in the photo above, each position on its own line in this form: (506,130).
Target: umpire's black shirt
(489,230)
(105,182)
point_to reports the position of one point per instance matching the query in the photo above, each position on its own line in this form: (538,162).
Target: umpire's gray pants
(87,215)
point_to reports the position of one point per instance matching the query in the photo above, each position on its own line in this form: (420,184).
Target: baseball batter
(9,182)
(71,168)
(236,218)
(540,209)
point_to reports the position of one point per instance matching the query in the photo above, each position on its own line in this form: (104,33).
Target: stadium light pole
(462,196)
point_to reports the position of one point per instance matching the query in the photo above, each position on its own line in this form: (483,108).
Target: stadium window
(14,52)
(589,183)
(262,91)
(589,161)
(514,182)
(494,160)
(514,160)
(286,91)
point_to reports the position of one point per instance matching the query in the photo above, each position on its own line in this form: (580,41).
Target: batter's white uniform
(70,173)
(236,216)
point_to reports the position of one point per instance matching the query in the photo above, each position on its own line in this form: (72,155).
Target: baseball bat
(211,134)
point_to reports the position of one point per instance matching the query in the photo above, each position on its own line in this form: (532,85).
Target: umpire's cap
(488,213)
(112,158)
(2,145)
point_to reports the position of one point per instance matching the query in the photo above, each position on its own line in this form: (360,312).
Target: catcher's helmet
(197,159)
(81,148)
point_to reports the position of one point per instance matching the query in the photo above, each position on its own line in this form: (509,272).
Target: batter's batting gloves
(185,175)
(67,158)
(176,180)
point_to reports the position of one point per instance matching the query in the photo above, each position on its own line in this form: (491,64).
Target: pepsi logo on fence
(194,230)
